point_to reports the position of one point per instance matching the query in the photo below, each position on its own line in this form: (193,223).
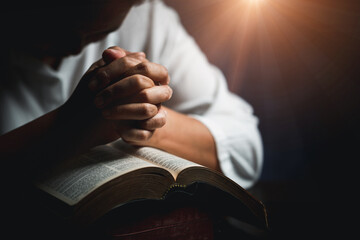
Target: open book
(108,176)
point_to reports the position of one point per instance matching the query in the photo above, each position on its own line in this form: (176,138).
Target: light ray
(272,34)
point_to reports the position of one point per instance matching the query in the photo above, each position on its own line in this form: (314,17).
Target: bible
(83,189)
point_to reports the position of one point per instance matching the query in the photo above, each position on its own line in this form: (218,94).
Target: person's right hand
(128,91)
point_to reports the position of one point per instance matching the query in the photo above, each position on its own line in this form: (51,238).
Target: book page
(76,179)
(161,158)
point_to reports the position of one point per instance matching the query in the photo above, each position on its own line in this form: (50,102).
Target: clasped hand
(120,96)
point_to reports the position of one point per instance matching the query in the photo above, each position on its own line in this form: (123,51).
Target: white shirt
(200,89)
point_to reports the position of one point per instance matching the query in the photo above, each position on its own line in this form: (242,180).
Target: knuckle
(128,62)
(159,122)
(143,135)
(143,67)
(145,95)
(148,110)
(162,121)
(140,55)
(140,82)
(103,76)
(154,123)
(136,135)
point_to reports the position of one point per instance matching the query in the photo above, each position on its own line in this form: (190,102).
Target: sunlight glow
(255,39)
(256,1)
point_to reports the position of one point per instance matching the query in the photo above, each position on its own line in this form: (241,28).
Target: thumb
(113,53)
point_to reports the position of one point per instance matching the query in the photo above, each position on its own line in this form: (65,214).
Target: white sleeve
(200,90)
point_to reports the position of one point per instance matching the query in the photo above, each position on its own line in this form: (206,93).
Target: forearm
(40,142)
(20,140)
(188,138)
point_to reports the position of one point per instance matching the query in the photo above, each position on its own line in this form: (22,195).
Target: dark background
(301,77)
(297,63)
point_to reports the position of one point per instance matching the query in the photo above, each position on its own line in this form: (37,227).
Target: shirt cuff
(223,155)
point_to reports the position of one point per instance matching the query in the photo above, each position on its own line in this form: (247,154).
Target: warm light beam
(255,1)
(274,39)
